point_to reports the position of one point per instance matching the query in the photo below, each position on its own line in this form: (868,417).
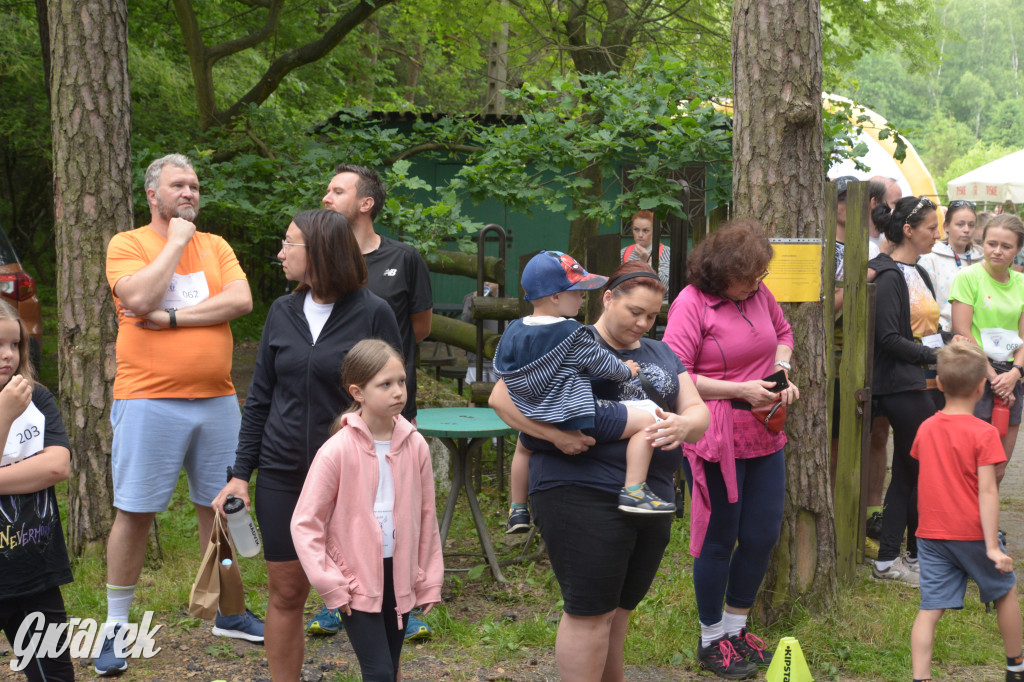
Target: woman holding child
(727,328)
(988,302)
(295,395)
(603,559)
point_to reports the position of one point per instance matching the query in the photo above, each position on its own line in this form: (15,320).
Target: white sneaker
(898,572)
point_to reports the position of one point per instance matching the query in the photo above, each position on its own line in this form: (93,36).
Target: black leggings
(51,604)
(740,535)
(906,412)
(376,637)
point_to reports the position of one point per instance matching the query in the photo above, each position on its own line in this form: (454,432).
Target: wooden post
(854,403)
(715,218)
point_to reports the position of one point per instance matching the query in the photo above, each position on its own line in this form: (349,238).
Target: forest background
(581,75)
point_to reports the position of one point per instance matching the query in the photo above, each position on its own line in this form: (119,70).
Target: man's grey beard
(166,212)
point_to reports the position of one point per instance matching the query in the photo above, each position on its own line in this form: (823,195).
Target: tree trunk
(778,178)
(583,228)
(92,180)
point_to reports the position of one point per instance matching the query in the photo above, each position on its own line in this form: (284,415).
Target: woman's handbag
(217,586)
(773,415)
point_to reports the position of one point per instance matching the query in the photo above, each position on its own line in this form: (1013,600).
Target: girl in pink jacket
(365,527)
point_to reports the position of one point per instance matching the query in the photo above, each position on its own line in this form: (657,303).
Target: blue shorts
(154,438)
(945,567)
(609,423)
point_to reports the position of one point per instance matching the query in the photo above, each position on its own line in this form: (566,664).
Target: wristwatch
(784,365)
(1020,370)
(174,322)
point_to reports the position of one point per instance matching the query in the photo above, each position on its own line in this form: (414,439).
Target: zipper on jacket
(309,398)
(739,307)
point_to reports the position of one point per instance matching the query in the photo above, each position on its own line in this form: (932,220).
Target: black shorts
(603,559)
(983,408)
(274,509)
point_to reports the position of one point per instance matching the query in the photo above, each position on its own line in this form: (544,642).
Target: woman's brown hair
(738,251)
(361,364)
(627,286)
(25,369)
(333,259)
(1007,221)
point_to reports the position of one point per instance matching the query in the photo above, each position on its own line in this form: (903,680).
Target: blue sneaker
(108,662)
(416,628)
(244,626)
(325,622)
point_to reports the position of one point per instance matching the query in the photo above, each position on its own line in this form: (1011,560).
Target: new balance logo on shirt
(390,272)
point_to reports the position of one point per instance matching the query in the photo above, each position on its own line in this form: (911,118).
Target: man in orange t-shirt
(176,289)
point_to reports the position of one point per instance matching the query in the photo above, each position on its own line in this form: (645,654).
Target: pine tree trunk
(91,118)
(778,178)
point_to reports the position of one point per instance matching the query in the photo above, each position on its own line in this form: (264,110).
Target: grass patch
(866,636)
(484,624)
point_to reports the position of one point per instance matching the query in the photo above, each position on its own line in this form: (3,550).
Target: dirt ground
(195,654)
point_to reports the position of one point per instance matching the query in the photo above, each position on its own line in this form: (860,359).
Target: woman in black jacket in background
(294,397)
(906,313)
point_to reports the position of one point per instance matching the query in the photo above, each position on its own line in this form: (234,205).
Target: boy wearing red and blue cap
(545,360)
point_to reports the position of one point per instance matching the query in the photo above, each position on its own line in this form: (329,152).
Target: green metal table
(464,430)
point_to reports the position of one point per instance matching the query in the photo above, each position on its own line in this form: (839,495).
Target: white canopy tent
(995,182)
(879,162)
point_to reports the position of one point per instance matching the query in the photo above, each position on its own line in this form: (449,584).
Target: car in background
(19,289)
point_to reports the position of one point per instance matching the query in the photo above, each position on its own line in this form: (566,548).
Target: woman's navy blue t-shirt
(603,466)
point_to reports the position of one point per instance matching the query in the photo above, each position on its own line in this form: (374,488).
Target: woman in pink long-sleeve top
(730,333)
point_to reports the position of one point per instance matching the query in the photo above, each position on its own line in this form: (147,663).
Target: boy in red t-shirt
(958,453)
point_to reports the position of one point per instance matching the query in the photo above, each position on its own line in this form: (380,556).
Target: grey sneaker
(913,564)
(643,501)
(898,572)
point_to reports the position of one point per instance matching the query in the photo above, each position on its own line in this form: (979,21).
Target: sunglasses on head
(960,203)
(924,203)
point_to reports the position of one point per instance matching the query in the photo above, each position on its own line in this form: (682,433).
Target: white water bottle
(242,529)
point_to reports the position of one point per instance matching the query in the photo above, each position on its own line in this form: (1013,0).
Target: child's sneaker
(721,658)
(1015,676)
(518,520)
(325,622)
(416,628)
(751,647)
(898,572)
(643,501)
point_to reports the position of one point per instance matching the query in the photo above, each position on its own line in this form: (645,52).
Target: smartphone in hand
(780,381)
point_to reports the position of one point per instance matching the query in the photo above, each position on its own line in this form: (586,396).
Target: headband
(631,275)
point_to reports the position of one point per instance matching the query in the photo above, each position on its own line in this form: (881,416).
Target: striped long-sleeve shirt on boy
(546,363)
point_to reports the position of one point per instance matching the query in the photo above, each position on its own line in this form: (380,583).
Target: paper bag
(217,585)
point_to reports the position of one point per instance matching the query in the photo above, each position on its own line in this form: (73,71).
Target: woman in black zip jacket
(294,397)
(906,310)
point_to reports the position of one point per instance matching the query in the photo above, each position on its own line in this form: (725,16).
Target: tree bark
(583,228)
(92,180)
(778,178)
